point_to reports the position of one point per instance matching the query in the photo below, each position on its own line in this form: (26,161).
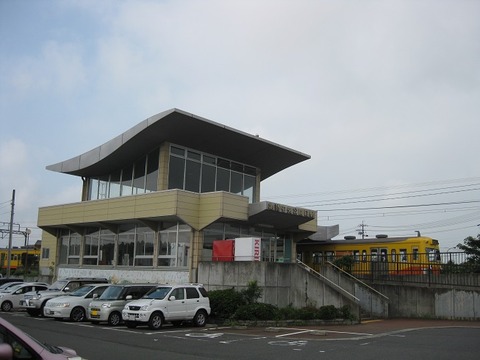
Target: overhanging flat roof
(182,128)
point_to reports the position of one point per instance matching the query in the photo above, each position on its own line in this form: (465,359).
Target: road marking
(294,333)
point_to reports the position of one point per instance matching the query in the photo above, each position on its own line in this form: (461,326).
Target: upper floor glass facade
(199,172)
(188,169)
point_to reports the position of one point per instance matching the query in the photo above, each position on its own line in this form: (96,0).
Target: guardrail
(449,269)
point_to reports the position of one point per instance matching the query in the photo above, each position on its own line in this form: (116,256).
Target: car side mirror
(66,289)
(172,298)
(95,296)
(129,297)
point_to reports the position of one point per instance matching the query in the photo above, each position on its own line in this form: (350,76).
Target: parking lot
(401,338)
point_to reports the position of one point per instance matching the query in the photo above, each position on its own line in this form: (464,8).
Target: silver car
(108,307)
(73,306)
(10,298)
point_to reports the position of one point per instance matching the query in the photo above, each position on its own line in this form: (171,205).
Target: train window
(356,255)
(383,255)
(433,254)
(403,255)
(374,253)
(317,257)
(415,253)
(364,255)
(394,255)
(330,255)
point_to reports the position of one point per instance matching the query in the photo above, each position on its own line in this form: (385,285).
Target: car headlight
(106,305)
(65,305)
(36,297)
(144,308)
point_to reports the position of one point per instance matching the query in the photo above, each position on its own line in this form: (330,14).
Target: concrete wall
(282,284)
(127,276)
(438,303)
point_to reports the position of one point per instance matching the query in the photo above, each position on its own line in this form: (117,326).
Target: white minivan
(169,303)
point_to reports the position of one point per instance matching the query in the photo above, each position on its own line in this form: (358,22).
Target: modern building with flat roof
(156,198)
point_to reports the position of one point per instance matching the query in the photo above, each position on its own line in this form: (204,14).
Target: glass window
(103,187)
(208,178)
(236,185)
(115,178)
(249,187)
(394,255)
(415,254)
(127,181)
(192,176)
(176,173)
(183,248)
(64,247)
(152,171)
(93,189)
(177,151)
(74,249)
(126,246)
(90,249)
(403,255)
(139,176)
(223,179)
(144,247)
(107,247)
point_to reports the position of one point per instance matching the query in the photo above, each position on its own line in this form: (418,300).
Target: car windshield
(158,293)
(8,285)
(111,293)
(58,285)
(13,288)
(83,290)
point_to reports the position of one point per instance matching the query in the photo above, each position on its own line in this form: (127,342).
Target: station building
(156,199)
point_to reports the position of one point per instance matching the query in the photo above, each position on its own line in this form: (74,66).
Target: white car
(169,303)
(10,297)
(73,306)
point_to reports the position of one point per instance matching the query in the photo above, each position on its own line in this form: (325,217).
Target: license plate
(94,313)
(131,317)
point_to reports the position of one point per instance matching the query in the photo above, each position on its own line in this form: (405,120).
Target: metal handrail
(357,280)
(330,282)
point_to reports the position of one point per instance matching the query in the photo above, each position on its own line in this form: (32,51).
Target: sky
(383,95)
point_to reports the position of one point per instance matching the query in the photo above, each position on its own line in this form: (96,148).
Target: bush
(257,311)
(328,312)
(224,303)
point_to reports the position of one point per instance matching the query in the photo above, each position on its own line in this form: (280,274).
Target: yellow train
(379,255)
(19,257)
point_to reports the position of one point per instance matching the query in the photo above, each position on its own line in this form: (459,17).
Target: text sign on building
(248,249)
(291,210)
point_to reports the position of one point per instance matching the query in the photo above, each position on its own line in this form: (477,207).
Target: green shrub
(257,311)
(224,303)
(252,293)
(328,312)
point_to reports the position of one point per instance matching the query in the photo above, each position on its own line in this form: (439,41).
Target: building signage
(285,209)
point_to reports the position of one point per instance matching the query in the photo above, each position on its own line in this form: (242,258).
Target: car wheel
(6,306)
(200,318)
(130,324)
(77,314)
(114,319)
(156,321)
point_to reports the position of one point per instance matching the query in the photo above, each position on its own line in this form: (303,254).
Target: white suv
(169,303)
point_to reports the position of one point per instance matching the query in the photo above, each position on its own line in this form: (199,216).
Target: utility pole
(10,234)
(362,230)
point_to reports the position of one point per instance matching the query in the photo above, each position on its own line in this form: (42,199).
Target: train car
(381,255)
(19,257)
